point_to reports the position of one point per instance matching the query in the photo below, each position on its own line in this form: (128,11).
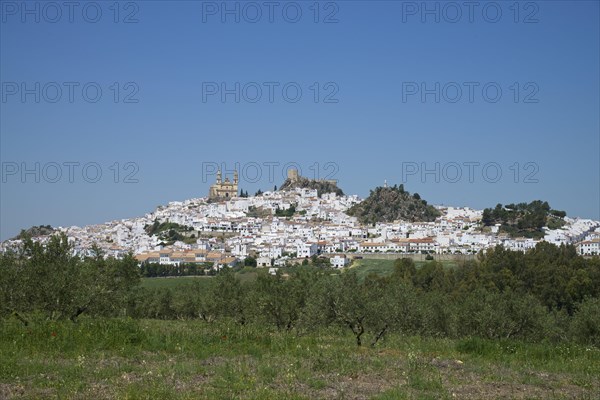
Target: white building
(520,244)
(272,252)
(306,250)
(240,250)
(263,262)
(339,261)
(589,247)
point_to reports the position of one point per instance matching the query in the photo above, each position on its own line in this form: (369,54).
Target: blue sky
(369,122)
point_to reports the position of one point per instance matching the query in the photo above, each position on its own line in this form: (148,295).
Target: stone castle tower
(292,175)
(224,189)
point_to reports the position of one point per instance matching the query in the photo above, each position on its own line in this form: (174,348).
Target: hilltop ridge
(294,180)
(387,204)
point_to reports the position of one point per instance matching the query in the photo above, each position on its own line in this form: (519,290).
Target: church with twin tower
(224,189)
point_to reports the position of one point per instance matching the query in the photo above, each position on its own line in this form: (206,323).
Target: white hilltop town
(223,229)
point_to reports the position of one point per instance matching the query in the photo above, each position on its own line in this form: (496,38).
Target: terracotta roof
(424,240)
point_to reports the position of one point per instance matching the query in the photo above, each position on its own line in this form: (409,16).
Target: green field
(152,359)
(362,267)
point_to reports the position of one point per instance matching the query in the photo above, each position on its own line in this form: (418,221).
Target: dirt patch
(99,391)
(214,361)
(500,390)
(359,387)
(10,391)
(353,387)
(447,364)
(14,391)
(194,383)
(467,382)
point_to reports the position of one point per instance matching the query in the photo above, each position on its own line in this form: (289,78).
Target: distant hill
(524,219)
(387,204)
(35,231)
(322,186)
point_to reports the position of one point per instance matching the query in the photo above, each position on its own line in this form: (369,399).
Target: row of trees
(555,276)
(547,293)
(312,299)
(52,281)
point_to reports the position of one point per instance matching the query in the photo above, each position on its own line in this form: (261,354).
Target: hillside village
(287,226)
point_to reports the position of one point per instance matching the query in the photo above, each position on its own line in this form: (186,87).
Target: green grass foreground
(100,358)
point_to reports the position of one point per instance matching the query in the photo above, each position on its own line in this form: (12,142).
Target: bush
(495,315)
(585,325)
(440,315)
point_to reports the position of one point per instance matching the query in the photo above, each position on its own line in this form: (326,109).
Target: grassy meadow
(153,359)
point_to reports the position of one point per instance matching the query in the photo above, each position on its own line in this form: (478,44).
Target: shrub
(585,325)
